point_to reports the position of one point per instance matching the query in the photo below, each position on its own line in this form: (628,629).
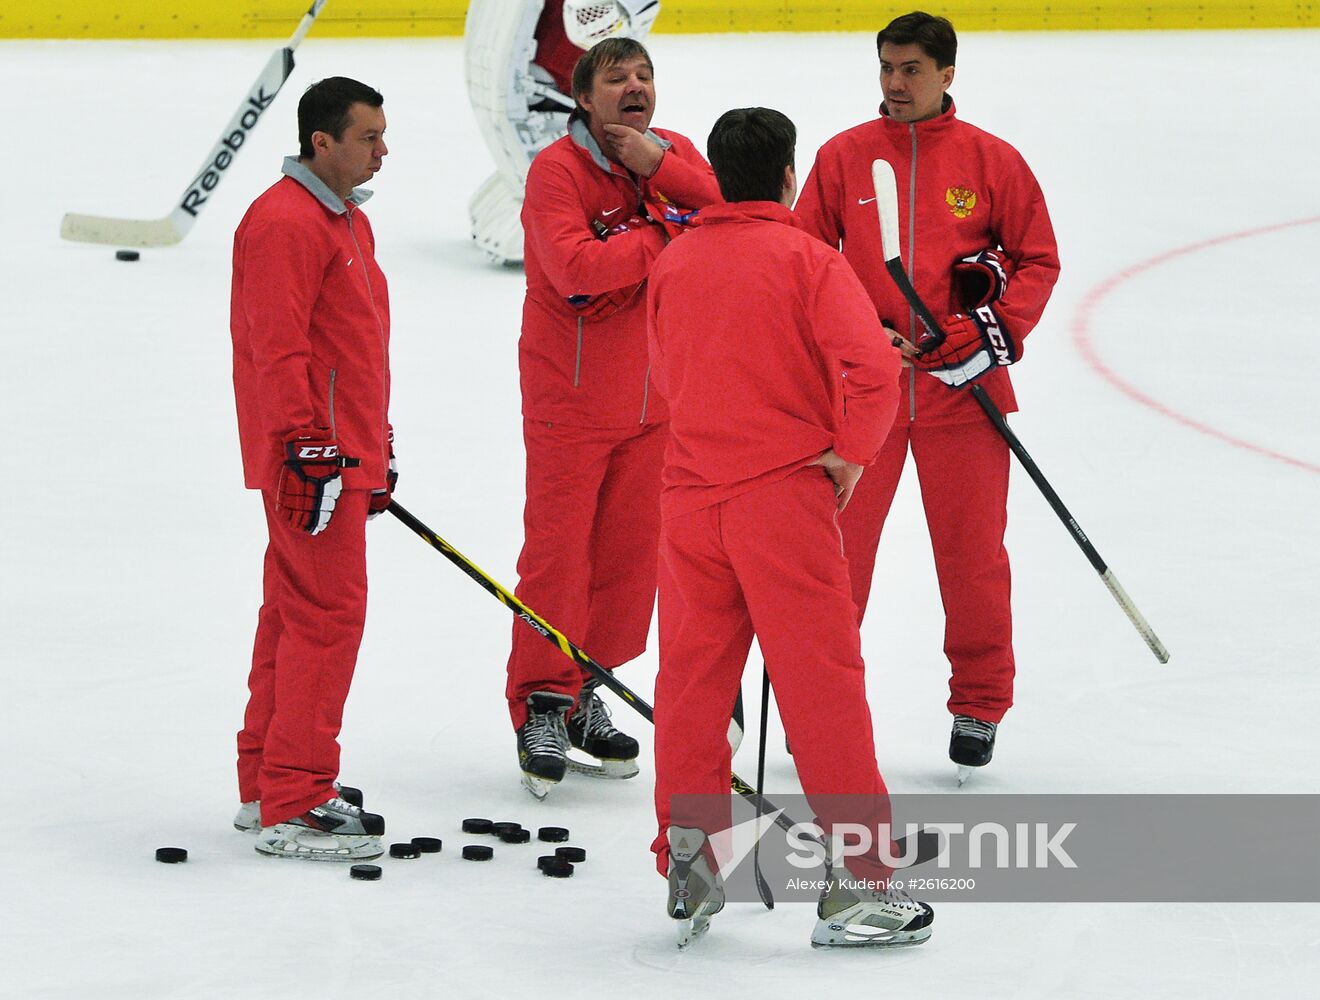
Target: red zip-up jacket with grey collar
(310,319)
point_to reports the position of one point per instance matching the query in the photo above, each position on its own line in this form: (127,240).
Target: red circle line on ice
(1081,334)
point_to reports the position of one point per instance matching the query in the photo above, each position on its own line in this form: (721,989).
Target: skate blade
(964,772)
(539,787)
(613,769)
(829,934)
(305,848)
(691,931)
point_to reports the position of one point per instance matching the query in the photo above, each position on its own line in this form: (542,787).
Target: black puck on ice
(557,868)
(575,854)
(428,845)
(171,855)
(552,834)
(405,851)
(477,826)
(127,255)
(477,852)
(501,828)
(518,836)
(365,873)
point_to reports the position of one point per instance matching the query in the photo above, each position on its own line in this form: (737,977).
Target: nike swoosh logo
(610,212)
(865,201)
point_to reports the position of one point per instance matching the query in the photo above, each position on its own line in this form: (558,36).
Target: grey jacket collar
(300,172)
(582,137)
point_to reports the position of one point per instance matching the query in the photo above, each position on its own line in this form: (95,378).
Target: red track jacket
(310,318)
(592,371)
(770,351)
(960,190)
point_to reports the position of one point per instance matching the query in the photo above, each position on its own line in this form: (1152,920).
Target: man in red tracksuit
(597,204)
(978,245)
(310,321)
(781,386)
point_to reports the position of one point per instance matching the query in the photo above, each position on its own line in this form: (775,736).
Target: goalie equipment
(518,108)
(587,22)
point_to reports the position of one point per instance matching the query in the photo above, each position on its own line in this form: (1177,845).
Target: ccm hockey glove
(979,279)
(309,482)
(973,343)
(380,499)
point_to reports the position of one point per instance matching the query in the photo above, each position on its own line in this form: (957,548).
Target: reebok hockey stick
(886,203)
(928,841)
(175,226)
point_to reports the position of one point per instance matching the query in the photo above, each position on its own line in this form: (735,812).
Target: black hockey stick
(760,775)
(171,228)
(886,203)
(928,841)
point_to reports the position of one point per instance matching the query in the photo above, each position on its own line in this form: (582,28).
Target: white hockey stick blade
(176,225)
(886,205)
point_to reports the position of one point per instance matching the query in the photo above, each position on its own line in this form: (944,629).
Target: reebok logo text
(197,194)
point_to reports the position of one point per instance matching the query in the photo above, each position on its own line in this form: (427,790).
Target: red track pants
(588,560)
(767,562)
(308,632)
(963,472)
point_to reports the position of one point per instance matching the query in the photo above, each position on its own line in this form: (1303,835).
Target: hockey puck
(428,845)
(518,836)
(552,834)
(574,854)
(365,873)
(405,851)
(171,855)
(501,828)
(557,868)
(478,852)
(127,255)
(477,826)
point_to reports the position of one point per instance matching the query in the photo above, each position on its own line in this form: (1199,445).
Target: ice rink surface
(1164,394)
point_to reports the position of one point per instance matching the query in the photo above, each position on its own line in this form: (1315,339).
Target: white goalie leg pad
(495,212)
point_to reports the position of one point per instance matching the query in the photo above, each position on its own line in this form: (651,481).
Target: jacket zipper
(646,393)
(912,268)
(577,362)
(380,329)
(334,434)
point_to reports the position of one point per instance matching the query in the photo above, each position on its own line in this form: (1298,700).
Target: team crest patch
(962,201)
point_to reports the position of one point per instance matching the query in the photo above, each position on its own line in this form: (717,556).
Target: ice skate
(543,741)
(971,744)
(333,831)
(248,818)
(591,732)
(696,892)
(853,914)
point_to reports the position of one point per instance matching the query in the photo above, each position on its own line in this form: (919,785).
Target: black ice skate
(853,914)
(971,744)
(248,817)
(333,831)
(590,730)
(543,741)
(696,893)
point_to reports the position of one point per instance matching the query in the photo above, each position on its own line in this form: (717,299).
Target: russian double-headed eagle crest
(962,201)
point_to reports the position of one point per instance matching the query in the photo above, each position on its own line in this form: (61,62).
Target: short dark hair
(325,108)
(749,149)
(605,53)
(934,34)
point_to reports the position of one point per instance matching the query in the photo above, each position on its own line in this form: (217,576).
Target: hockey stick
(886,203)
(760,781)
(175,226)
(928,843)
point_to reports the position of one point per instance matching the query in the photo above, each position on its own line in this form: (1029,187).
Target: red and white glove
(973,344)
(309,482)
(380,499)
(979,279)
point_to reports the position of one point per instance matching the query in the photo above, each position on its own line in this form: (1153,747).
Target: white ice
(132,557)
